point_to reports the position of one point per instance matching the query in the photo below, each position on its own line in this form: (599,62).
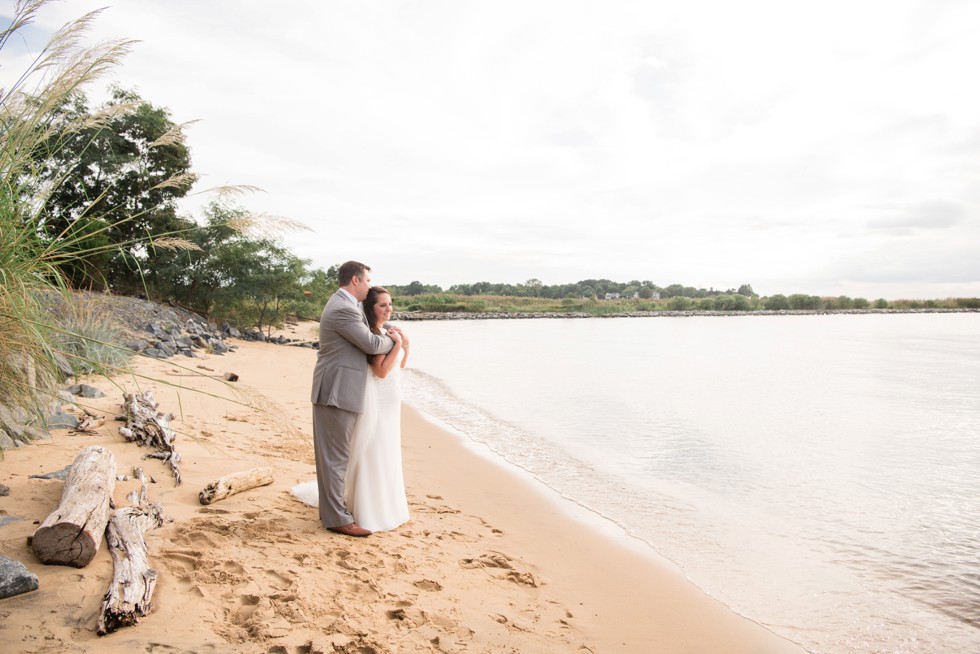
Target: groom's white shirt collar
(352,298)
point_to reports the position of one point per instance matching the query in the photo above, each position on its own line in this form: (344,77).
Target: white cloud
(706,143)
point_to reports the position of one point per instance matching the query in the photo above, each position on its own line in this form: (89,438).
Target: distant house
(612,296)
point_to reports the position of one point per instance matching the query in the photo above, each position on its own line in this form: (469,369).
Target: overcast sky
(826,148)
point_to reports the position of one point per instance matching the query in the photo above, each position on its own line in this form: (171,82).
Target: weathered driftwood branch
(133,580)
(89,423)
(235,483)
(72,534)
(148,427)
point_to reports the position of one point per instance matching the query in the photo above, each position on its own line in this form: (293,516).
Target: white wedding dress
(375,487)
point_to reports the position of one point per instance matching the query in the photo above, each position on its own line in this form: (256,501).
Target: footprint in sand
(197,538)
(522,578)
(410,617)
(428,584)
(502,562)
(510,624)
(488,560)
(244,608)
(278,580)
(232,567)
(182,561)
(458,536)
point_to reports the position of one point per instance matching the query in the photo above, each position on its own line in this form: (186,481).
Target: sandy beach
(491,561)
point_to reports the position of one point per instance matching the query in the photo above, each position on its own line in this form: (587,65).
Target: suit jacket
(341,370)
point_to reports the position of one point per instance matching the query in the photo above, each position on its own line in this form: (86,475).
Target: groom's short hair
(349,270)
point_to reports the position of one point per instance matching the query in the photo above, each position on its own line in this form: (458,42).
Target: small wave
(572,479)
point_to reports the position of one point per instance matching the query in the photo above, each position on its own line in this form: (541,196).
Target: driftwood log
(148,427)
(72,534)
(133,580)
(235,483)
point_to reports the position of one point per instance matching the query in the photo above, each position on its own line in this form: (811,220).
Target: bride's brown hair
(368,304)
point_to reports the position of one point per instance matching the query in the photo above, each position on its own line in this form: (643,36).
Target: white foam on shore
(497,441)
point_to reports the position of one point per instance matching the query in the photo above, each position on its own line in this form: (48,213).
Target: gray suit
(339,380)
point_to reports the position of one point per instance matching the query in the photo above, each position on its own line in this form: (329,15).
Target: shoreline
(517,315)
(490,562)
(644,601)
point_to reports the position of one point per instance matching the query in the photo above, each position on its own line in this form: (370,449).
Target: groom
(339,380)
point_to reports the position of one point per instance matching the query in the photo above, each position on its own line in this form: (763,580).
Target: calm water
(818,474)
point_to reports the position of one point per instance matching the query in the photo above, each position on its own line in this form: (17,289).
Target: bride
(374,486)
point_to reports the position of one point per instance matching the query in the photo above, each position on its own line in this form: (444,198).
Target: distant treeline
(604,296)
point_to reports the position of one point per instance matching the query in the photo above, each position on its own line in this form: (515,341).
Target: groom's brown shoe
(350,530)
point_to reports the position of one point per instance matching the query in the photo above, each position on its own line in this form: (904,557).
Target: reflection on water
(819,474)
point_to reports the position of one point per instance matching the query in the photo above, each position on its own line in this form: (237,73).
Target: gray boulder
(85,390)
(15,578)
(62,420)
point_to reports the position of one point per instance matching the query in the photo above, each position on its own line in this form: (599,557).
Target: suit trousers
(333,429)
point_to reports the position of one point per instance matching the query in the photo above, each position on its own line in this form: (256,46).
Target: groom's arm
(349,323)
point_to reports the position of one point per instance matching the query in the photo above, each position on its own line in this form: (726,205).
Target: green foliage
(414,288)
(838,303)
(113,176)
(234,275)
(317,288)
(679,303)
(801,302)
(443,303)
(778,302)
(34,261)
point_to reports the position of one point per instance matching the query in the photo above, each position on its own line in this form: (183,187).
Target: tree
(317,286)
(194,277)
(117,181)
(273,285)
(534,285)
(256,281)
(803,302)
(778,302)
(746,290)
(414,288)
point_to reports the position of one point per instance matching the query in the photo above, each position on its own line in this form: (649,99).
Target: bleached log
(148,427)
(133,580)
(72,534)
(235,483)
